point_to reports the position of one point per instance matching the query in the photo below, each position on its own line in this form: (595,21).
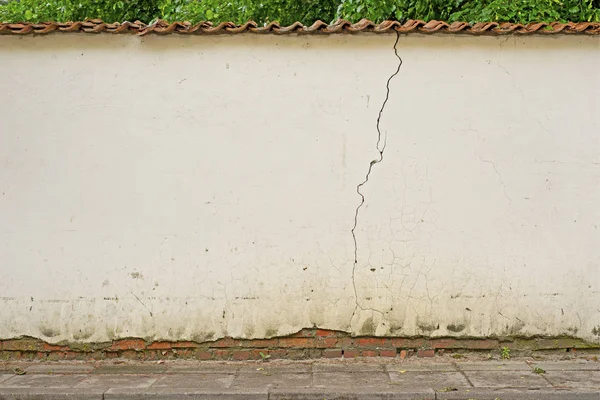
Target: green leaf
(28,14)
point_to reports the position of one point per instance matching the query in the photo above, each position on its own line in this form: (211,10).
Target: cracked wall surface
(191,189)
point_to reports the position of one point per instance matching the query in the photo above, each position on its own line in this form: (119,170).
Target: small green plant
(264,357)
(539,370)
(505,353)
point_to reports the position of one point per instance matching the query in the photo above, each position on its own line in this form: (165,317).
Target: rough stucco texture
(190,188)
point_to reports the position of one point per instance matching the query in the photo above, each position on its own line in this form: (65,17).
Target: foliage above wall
(305,11)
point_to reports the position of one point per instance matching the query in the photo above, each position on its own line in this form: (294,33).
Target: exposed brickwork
(308,343)
(387,353)
(426,353)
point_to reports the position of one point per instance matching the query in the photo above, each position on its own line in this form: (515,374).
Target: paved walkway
(439,378)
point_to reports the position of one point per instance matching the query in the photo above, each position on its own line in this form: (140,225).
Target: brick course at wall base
(308,343)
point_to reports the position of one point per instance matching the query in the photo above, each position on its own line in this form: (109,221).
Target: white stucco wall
(199,187)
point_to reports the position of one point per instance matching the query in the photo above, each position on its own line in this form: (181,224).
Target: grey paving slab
(352,380)
(59,369)
(131,369)
(494,366)
(110,381)
(196,381)
(347,367)
(43,381)
(183,394)
(5,377)
(575,379)
(275,368)
(320,394)
(515,394)
(267,380)
(50,394)
(443,367)
(429,380)
(567,365)
(201,367)
(506,379)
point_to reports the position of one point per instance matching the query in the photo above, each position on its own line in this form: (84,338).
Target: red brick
(297,354)
(325,342)
(352,353)
(332,353)
(426,353)
(255,354)
(72,355)
(407,343)
(344,342)
(297,343)
(184,345)
(279,353)
(222,354)
(325,333)
(52,347)
(204,355)
(259,343)
(225,342)
(159,346)
(185,353)
(370,353)
(476,344)
(56,356)
(371,343)
(22,345)
(403,354)
(387,353)
(444,343)
(128,344)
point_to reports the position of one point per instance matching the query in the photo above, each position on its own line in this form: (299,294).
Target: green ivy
(305,11)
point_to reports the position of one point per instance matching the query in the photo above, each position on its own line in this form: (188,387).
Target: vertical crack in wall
(380,148)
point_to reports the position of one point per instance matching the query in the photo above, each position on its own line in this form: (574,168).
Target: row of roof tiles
(319,27)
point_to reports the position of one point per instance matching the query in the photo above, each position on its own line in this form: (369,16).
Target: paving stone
(428,380)
(351,380)
(50,394)
(446,367)
(567,365)
(515,394)
(135,369)
(347,367)
(204,367)
(493,366)
(195,381)
(59,369)
(43,381)
(275,369)
(575,379)
(267,380)
(5,377)
(111,381)
(183,394)
(320,394)
(506,379)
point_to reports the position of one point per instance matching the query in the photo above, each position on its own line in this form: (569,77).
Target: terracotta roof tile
(319,27)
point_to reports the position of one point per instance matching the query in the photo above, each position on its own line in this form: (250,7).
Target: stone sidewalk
(439,378)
